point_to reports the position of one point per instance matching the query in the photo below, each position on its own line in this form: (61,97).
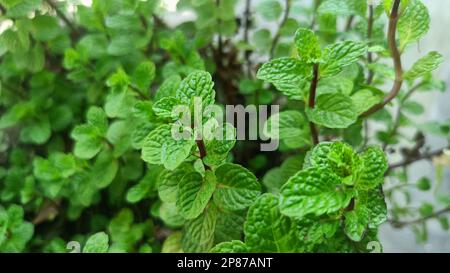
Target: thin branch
(398,114)
(393,19)
(62,16)
(408,161)
(314,18)
(247,24)
(219,38)
(312,102)
(399,224)
(202,150)
(349,23)
(278,34)
(369,37)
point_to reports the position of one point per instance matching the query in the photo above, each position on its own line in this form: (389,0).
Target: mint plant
(114,138)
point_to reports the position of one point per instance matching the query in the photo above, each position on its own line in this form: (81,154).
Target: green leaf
(104,170)
(37,131)
(286,74)
(307,44)
(333,111)
(144,75)
(413,23)
(423,184)
(218,142)
(145,186)
(356,222)
(97,243)
(315,191)
(174,152)
(198,233)
(287,125)
(269,9)
(267,230)
(119,134)
(236,189)
(375,165)
(165,106)
(197,84)
(339,55)
(194,194)
(234,246)
(172,244)
(343,7)
(364,99)
(168,182)
(151,149)
(424,65)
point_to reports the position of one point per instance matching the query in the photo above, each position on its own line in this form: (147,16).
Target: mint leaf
(164,107)
(333,111)
(286,74)
(266,230)
(97,243)
(197,84)
(307,44)
(288,125)
(144,75)
(315,191)
(194,194)
(339,55)
(234,246)
(168,182)
(237,188)
(375,165)
(364,99)
(198,235)
(424,65)
(413,23)
(152,146)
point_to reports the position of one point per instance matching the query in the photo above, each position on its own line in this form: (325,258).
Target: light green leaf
(197,84)
(151,149)
(286,74)
(333,111)
(413,23)
(424,65)
(168,182)
(234,246)
(194,194)
(374,167)
(315,191)
(174,152)
(144,75)
(104,170)
(198,235)
(307,44)
(97,243)
(269,9)
(339,55)
(364,99)
(164,107)
(267,230)
(237,187)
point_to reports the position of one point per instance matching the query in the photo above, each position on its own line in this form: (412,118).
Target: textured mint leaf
(174,152)
(194,193)
(286,74)
(229,225)
(424,65)
(337,84)
(356,222)
(339,55)
(57,166)
(119,104)
(375,166)
(164,107)
(97,118)
(119,134)
(97,243)
(152,146)
(88,142)
(287,125)
(144,75)
(234,246)
(14,231)
(377,208)
(413,23)
(237,187)
(170,215)
(333,111)
(267,230)
(168,182)
(315,191)
(198,235)
(364,99)
(315,231)
(168,88)
(307,44)
(197,84)
(219,141)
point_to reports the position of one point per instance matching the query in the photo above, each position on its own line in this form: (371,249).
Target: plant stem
(312,102)
(411,160)
(369,37)
(314,18)
(399,224)
(278,34)
(349,23)
(393,19)
(247,23)
(202,150)
(62,16)
(398,115)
